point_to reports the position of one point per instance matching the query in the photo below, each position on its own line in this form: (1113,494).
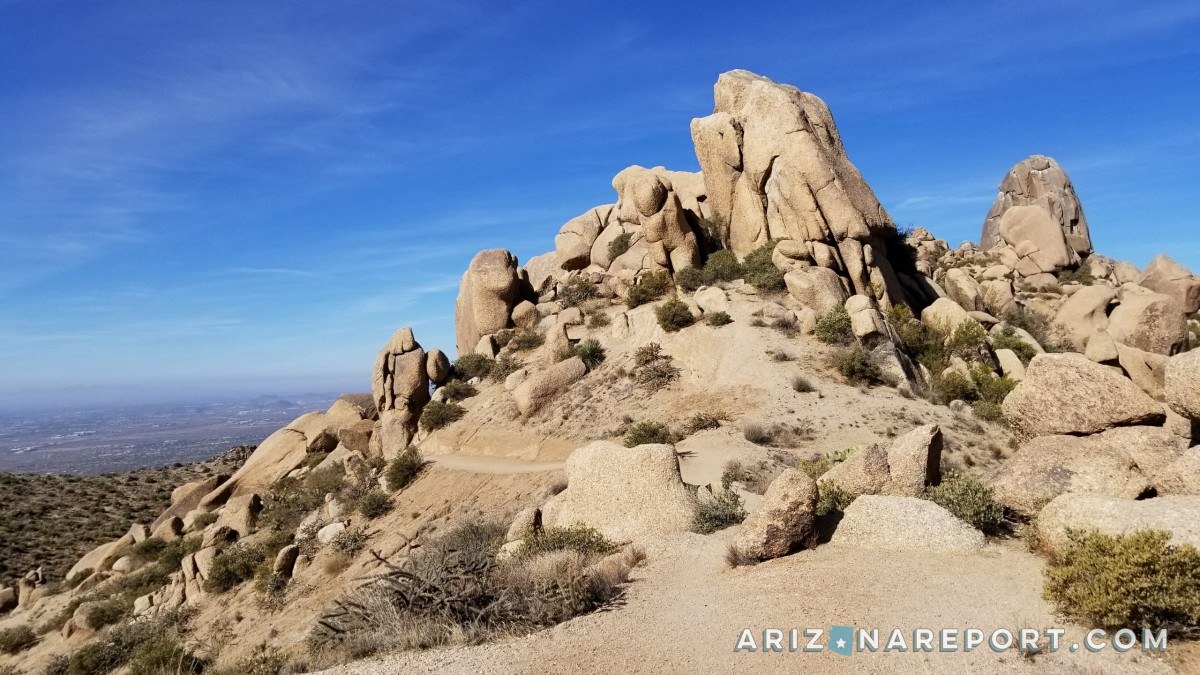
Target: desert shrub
(801,384)
(722,265)
(438,414)
(970,500)
(598,318)
(59,664)
(374,504)
(817,466)
(107,612)
(504,366)
(718,513)
(577,291)
(857,366)
(647,288)
(1039,328)
(148,548)
(349,541)
(526,339)
(718,319)
(924,344)
(657,375)
(232,566)
(954,386)
(1080,275)
(966,340)
(1007,339)
(579,538)
(457,390)
(403,469)
(291,499)
(127,641)
(760,271)
(503,337)
(833,327)
(16,639)
(673,315)
(988,411)
(164,654)
(642,433)
(700,422)
(831,498)
(471,366)
(619,245)
(475,537)
(786,325)
(1133,580)
(648,354)
(735,558)
(756,433)
(992,388)
(590,351)
(691,279)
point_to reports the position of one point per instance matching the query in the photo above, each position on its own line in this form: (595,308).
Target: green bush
(690,279)
(967,340)
(619,245)
(970,500)
(857,366)
(577,291)
(718,319)
(107,612)
(1007,339)
(648,287)
(164,654)
(760,271)
(590,351)
(648,354)
(816,467)
(457,390)
(992,388)
(722,265)
(232,566)
(349,541)
(438,414)
(598,318)
(1134,580)
(203,520)
(924,344)
(718,513)
(642,433)
(831,498)
(700,422)
(833,327)
(954,386)
(141,645)
(578,538)
(374,504)
(472,365)
(403,469)
(526,339)
(504,366)
(16,639)
(1080,275)
(673,315)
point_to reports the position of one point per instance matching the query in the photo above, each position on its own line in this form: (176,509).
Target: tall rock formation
(486,297)
(1055,223)
(775,168)
(400,386)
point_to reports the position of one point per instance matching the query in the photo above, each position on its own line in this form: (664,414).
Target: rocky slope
(759,329)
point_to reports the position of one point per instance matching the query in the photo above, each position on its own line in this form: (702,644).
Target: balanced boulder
(1181,384)
(486,296)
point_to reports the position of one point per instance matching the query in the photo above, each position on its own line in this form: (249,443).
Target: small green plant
(234,565)
(374,504)
(523,340)
(643,433)
(648,354)
(16,639)
(107,612)
(718,513)
(579,538)
(988,411)
(349,541)
(722,265)
(831,498)
(966,340)
(457,390)
(954,386)
(1080,275)
(164,654)
(657,374)
(700,422)
(598,318)
(801,384)
(577,291)
(718,319)
(857,366)
(471,366)
(1008,339)
(833,327)
(403,469)
(673,315)
(690,279)
(590,351)
(649,287)
(438,414)
(760,271)
(817,466)
(970,500)
(1134,580)
(619,245)
(504,366)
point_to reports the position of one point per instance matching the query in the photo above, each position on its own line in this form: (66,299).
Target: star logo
(841,640)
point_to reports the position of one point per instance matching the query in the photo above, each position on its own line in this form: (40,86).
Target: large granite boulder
(542,386)
(649,201)
(400,385)
(1070,394)
(1084,313)
(893,523)
(486,297)
(1149,321)
(784,519)
(1168,277)
(1181,384)
(1040,182)
(906,468)
(573,243)
(1081,512)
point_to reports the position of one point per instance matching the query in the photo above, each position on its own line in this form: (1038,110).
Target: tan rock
(1085,313)
(285,560)
(1149,321)
(1181,384)
(485,297)
(1168,277)
(1146,370)
(1177,515)
(357,437)
(540,387)
(1182,476)
(894,523)
(573,243)
(1069,394)
(944,315)
(525,315)
(784,519)
(818,288)
(169,529)
(281,452)
(1039,181)
(963,289)
(240,514)
(1010,364)
(437,364)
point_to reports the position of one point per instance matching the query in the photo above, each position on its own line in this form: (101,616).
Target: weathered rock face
(279,454)
(1070,394)
(623,492)
(573,243)
(1149,321)
(1039,182)
(775,168)
(437,366)
(903,524)
(648,201)
(486,297)
(400,385)
(1180,516)
(783,521)
(1168,277)
(1181,384)
(540,387)
(911,463)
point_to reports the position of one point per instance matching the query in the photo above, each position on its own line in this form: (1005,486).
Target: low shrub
(700,422)
(718,319)
(16,639)
(954,386)
(657,375)
(403,469)
(577,291)
(690,279)
(857,366)
(374,504)
(718,513)
(648,354)
(832,499)
(233,565)
(1134,580)
(578,538)
(967,341)
(590,351)
(164,654)
(801,384)
(988,411)
(523,340)
(107,612)
(1008,339)
(138,645)
(619,245)
(504,366)
(1080,275)
(722,265)
(203,520)
(438,414)
(457,390)
(833,327)
(760,271)
(471,366)
(735,558)
(648,287)
(970,500)
(598,318)
(349,541)
(673,315)
(291,499)
(756,433)
(786,325)
(818,466)
(642,433)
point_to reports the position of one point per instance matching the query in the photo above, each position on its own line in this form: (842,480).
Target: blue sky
(243,196)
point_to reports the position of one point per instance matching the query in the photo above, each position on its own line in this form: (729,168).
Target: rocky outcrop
(1037,203)
(1149,321)
(625,493)
(649,202)
(903,524)
(906,468)
(400,385)
(1164,275)
(775,168)
(1181,384)
(573,243)
(1179,516)
(784,519)
(1070,394)
(486,296)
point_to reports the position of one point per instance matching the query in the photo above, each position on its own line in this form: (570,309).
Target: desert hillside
(734,398)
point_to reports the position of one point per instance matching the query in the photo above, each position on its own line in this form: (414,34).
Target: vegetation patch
(403,470)
(643,433)
(832,499)
(719,512)
(718,319)
(577,291)
(649,287)
(16,639)
(857,366)
(970,500)
(1007,339)
(619,245)
(457,390)
(578,538)
(525,339)
(470,366)
(590,351)
(833,327)
(673,315)
(438,414)
(760,271)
